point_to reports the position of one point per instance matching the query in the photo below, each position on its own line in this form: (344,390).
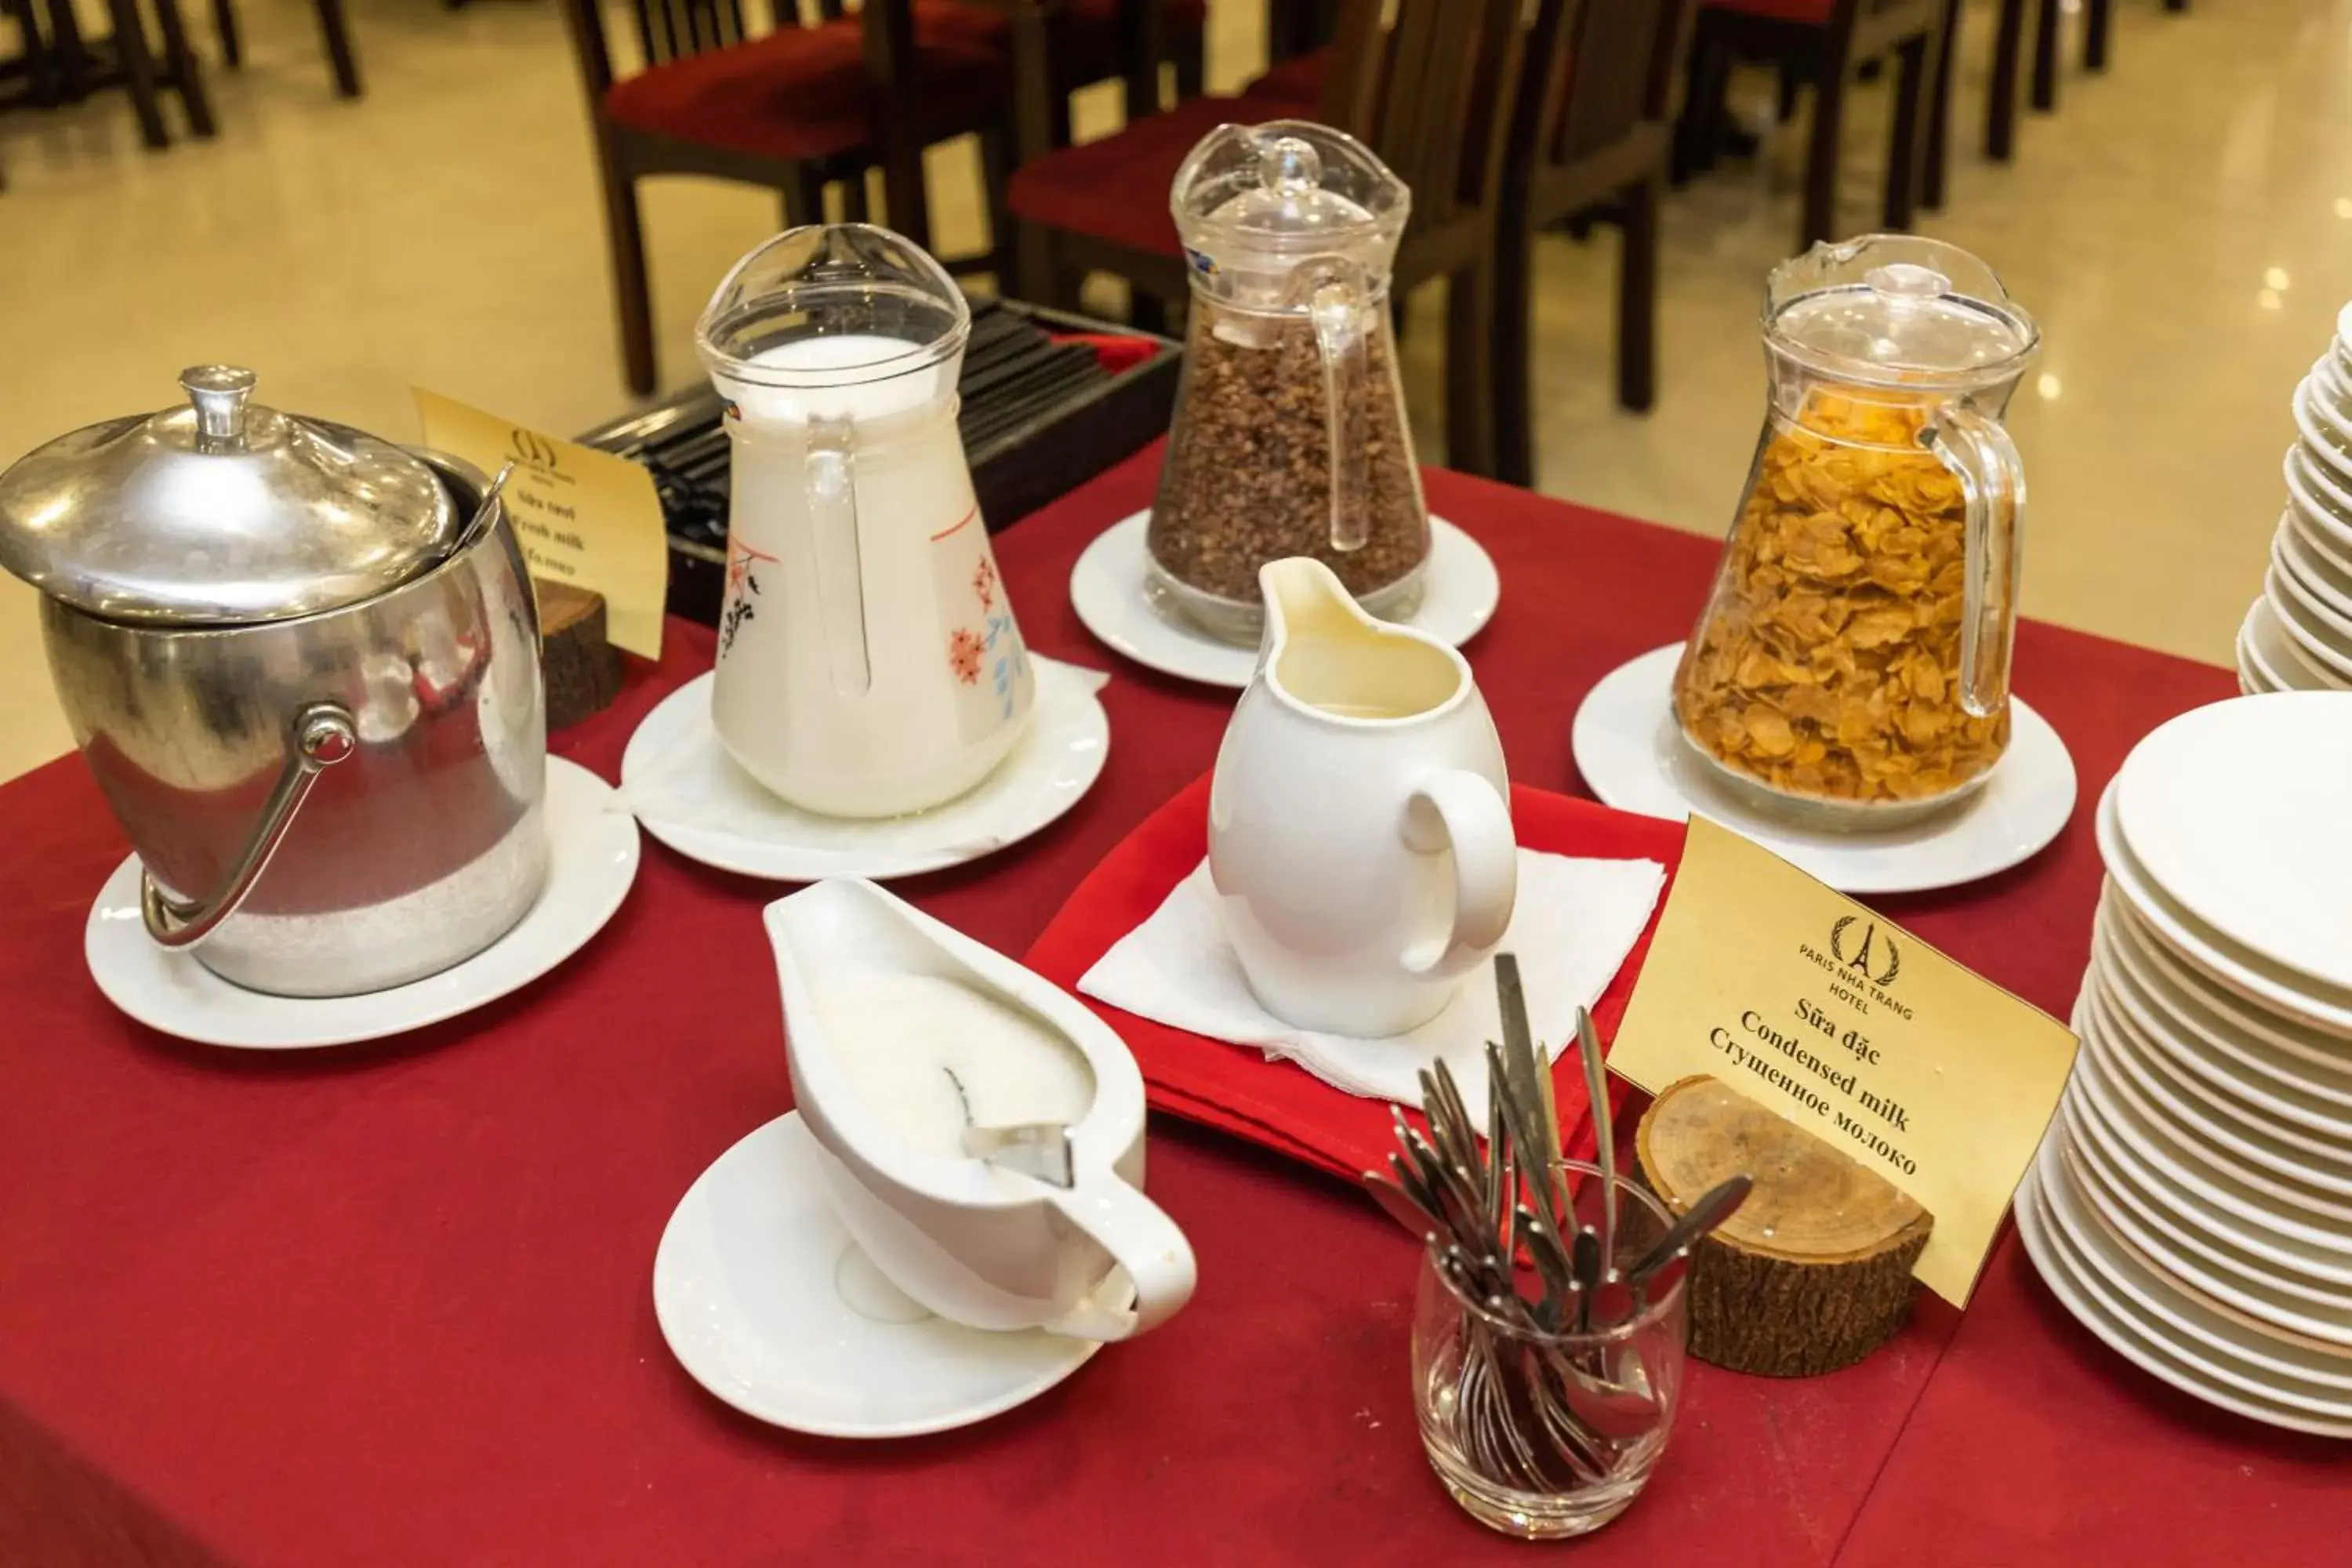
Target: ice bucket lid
(221,513)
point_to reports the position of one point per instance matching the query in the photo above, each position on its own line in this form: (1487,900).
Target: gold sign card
(1854,1030)
(584,517)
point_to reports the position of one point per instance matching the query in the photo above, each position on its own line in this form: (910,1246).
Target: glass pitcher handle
(1981,456)
(1338,313)
(840,574)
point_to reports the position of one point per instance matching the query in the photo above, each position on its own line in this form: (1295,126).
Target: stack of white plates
(2298,634)
(2192,1202)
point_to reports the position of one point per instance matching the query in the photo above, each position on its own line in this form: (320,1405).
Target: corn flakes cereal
(1828,663)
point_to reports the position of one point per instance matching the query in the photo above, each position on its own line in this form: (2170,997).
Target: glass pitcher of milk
(868,662)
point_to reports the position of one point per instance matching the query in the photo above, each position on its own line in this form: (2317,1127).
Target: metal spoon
(1536,1146)
(1450,1132)
(1529,1079)
(1715,1205)
(1402,1206)
(1446,1181)
(1604,1133)
(482,509)
(1584,1256)
(1542,1245)
(1036,1149)
(1616,1407)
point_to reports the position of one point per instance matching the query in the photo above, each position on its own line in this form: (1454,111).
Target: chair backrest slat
(665,30)
(890,38)
(1596,70)
(1428,85)
(1876,22)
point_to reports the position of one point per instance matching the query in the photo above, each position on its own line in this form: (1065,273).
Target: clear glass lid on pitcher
(835,321)
(1851,668)
(1289,437)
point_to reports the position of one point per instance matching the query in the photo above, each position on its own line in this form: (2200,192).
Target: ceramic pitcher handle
(1460,810)
(840,574)
(1992,483)
(1145,1245)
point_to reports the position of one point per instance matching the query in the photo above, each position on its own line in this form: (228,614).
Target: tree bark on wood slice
(583,670)
(1813,1272)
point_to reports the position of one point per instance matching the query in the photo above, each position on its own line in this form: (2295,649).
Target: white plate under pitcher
(1109,590)
(1632,756)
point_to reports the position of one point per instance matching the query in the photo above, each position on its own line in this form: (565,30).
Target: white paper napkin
(1574,922)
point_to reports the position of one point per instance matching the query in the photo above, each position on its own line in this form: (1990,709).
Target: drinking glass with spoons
(1549,1333)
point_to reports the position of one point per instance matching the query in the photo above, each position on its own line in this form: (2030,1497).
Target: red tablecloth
(392,1305)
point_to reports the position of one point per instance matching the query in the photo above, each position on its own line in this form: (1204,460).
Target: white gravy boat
(881,1004)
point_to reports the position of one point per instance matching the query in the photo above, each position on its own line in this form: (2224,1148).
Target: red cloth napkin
(1277,1104)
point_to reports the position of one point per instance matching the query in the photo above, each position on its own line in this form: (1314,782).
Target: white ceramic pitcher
(1360,821)
(898,1030)
(868,661)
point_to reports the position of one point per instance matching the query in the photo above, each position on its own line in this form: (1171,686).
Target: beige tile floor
(2182,229)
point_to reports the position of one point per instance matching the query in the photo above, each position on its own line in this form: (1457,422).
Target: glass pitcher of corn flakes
(1850,669)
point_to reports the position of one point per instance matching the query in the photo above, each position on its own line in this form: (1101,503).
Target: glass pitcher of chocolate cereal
(1289,437)
(1851,669)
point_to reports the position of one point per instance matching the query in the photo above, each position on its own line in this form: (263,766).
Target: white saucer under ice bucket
(900,1032)
(592,861)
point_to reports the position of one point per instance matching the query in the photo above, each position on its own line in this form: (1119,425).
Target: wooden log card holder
(1813,1272)
(583,670)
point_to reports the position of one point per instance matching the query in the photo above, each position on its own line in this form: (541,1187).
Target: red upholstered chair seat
(803,92)
(1090,28)
(1177,17)
(1814,12)
(1298,79)
(1116,189)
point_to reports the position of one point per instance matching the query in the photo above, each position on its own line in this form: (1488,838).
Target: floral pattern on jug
(743,587)
(1011,670)
(984,650)
(964,648)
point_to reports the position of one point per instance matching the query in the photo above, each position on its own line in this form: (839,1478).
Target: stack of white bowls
(2192,1201)
(2298,634)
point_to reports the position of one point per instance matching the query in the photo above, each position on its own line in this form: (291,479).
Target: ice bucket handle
(323,735)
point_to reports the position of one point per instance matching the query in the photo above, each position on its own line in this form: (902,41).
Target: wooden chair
(792,110)
(1823,43)
(1429,86)
(2008,45)
(334,32)
(1593,136)
(1294,28)
(2098,30)
(798,109)
(62,66)
(2000,86)
(1085,33)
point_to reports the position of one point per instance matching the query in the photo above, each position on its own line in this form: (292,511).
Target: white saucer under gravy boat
(900,1032)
